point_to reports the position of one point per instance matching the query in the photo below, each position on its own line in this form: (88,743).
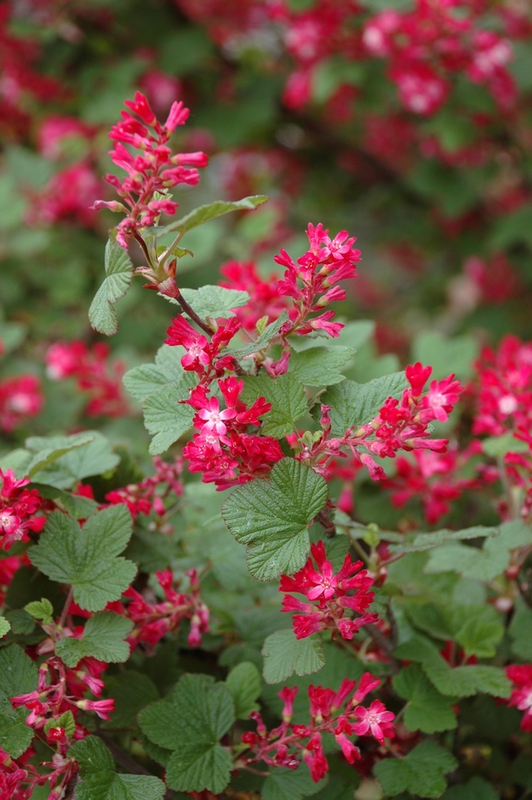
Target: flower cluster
(20,397)
(333,594)
(145,497)
(289,744)
(54,707)
(19,510)
(96,376)
(152,171)
(312,282)
(521,697)
(400,425)
(153,621)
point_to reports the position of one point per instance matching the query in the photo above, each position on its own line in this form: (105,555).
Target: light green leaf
(41,609)
(427,710)
(119,272)
(272,517)
(320,366)
(75,505)
(166,418)
(146,379)
(5,627)
(103,638)
(192,723)
(99,780)
(93,458)
(355,404)
(288,399)
(87,558)
(205,213)
(480,632)
(48,455)
(215,301)
(422,772)
(427,541)
(285,655)
(446,356)
(262,341)
(499,446)
(66,721)
(18,675)
(244,684)
(461,681)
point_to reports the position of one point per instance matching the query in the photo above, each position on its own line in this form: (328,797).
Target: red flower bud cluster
(289,744)
(152,170)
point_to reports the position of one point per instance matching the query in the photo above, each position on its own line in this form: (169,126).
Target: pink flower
(521,697)
(375,719)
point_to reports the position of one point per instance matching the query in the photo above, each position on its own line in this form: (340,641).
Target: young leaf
(192,723)
(205,213)
(41,609)
(244,684)
(355,404)
(320,366)
(18,675)
(427,710)
(119,272)
(262,341)
(422,772)
(272,518)
(285,655)
(99,781)
(103,638)
(166,418)
(288,399)
(87,558)
(214,301)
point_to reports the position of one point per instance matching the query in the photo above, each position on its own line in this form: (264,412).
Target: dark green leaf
(427,710)
(285,655)
(272,518)
(244,684)
(422,772)
(103,638)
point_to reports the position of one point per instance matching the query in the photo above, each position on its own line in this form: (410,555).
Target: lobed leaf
(421,772)
(119,273)
(288,400)
(285,655)
(103,638)
(355,404)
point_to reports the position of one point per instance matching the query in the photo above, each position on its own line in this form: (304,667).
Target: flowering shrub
(320,585)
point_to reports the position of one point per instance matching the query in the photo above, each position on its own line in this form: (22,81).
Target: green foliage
(427,709)
(422,772)
(214,301)
(99,780)
(354,404)
(320,366)
(87,558)
(18,675)
(244,684)
(289,784)
(103,638)
(119,272)
(191,723)
(211,211)
(285,655)
(272,518)
(288,400)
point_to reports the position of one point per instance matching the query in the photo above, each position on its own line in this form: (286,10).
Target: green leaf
(480,633)
(486,563)
(519,630)
(94,457)
(461,681)
(427,541)
(41,609)
(499,446)
(205,213)
(166,418)
(131,691)
(272,518)
(48,455)
(192,723)
(87,558)
(99,780)
(244,684)
(103,638)
(355,404)
(143,381)
(262,341)
(215,301)
(289,784)
(5,627)
(18,675)
(66,721)
(320,366)
(427,710)
(285,655)
(288,399)
(422,772)
(75,505)
(119,272)
(446,356)
(475,789)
